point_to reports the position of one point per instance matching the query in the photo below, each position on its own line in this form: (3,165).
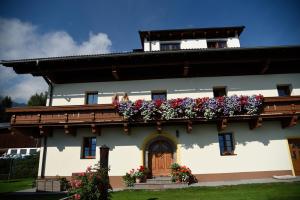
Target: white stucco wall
(262,149)
(74,94)
(233,42)
(193,44)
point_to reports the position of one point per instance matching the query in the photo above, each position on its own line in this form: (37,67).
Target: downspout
(50,84)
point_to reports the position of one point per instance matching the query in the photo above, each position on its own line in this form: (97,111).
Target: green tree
(38,99)
(5,102)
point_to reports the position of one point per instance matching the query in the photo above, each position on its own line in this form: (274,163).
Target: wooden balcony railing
(286,109)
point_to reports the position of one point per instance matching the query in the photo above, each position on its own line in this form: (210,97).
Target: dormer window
(216,44)
(169,46)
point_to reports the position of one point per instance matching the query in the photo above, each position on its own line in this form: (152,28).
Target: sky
(38,28)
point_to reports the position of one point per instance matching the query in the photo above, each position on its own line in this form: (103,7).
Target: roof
(162,64)
(190,33)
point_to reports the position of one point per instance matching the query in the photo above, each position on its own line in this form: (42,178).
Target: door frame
(289,152)
(146,149)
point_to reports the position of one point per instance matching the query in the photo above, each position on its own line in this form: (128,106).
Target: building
(194,63)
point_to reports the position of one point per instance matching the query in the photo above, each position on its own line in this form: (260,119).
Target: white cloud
(22,40)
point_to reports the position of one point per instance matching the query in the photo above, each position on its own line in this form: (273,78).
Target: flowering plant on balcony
(188,108)
(181,174)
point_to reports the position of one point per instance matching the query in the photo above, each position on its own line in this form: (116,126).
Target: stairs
(158,183)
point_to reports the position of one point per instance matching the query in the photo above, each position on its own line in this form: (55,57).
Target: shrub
(181,174)
(91,184)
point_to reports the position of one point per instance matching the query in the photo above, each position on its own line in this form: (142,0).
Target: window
(284,90)
(226,144)
(32,151)
(91,98)
(23,151)
(217,44)
(89,147)
(219,91)
(159,95)
(169,46)
(13,151)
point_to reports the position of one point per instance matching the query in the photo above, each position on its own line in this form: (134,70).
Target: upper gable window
(169,46)
(219,91)
(284,90)
(91,98)
(217,44)
(159,95)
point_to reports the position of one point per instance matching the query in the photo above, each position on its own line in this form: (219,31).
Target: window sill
(88,157)
(228,154)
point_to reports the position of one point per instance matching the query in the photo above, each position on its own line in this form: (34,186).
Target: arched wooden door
(160,158)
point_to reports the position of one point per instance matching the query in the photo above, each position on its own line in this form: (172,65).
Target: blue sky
(36,28)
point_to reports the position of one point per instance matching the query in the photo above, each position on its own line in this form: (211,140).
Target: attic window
(284,90)
(219,91)
(216,44)
(169,46)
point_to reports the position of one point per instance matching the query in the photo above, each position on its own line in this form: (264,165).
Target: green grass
(272,191)
(15,185)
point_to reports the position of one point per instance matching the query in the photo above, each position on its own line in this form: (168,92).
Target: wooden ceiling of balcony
(162,64)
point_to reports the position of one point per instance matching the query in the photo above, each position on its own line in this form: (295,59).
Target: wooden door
(161,158)
(294,145)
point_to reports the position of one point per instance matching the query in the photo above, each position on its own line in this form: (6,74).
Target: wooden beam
(265,67)
(289,122)
(186,70)
(255,123)
(96,129)
(69,130)
(115,73)
(222,124)
(45,131)
(126,128)
(158,126)
(189,127)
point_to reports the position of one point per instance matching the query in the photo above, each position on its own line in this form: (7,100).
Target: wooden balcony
(285,109)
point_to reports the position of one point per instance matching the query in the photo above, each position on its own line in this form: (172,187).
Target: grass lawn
(15,185)
(272,191)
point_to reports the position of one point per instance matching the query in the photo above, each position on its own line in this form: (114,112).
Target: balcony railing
(285,109)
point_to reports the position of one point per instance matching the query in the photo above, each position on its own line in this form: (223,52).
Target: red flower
(244,100)
(259,97)
(77,196)
(138,104)
(158,103)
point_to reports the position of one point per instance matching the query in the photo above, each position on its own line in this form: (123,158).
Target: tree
(38,99)
(6,102)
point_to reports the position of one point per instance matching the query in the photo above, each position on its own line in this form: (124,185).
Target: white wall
(262,149)
(193,44)
(74,94)
(233,42)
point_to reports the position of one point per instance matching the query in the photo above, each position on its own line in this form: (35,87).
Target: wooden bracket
(222,124)
(115,73)
(289,122)
(186,69)
(45,131)
(96,129)
(158,126)
(255,123)
(13,119)
(69,130)
(265,67)
(126,128)
(189,127)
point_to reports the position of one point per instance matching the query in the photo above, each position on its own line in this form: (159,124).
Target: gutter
(50,84)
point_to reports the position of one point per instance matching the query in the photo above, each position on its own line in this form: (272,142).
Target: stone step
(151,186)
(159,181)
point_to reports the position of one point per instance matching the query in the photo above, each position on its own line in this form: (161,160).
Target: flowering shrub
(91,184)
(131,176)
(181,174)
(189,108)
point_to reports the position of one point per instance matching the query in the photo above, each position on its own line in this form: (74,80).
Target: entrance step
(157,186)
(159,180)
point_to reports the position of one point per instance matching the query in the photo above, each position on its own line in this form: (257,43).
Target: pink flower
(77,196)
(82,174)
(89,168)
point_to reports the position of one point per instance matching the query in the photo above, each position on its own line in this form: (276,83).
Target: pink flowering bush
(90,185)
